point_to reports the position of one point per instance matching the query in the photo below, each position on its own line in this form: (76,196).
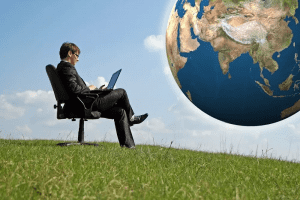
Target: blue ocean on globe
(239,99)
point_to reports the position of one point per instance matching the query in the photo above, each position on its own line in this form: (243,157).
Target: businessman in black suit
(111,104)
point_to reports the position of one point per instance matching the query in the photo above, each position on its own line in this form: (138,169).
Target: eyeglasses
(76,55)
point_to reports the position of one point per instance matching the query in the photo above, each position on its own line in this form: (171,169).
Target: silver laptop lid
(113,79)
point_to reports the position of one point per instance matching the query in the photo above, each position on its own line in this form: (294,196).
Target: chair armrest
(84,111)
(100,91)
(88,95)
(88,112)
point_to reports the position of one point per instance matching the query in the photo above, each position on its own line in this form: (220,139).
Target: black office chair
(62,97)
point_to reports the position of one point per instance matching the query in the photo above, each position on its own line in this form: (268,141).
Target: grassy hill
(38,169)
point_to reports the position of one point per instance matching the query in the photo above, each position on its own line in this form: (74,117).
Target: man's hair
(66,47)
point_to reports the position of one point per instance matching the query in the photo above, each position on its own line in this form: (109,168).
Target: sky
(112,35)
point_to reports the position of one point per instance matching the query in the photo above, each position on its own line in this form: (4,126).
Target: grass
(38,169)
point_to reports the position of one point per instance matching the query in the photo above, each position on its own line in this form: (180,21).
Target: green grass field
(38,169)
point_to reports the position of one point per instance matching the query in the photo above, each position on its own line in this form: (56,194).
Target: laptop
(113,79)
(111,83)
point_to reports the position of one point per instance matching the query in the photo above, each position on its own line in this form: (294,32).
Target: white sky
(113,35)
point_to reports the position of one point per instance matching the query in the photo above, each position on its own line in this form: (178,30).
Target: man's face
(74,57)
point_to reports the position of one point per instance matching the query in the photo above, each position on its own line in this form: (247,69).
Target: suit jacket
(74,86)
(73,83)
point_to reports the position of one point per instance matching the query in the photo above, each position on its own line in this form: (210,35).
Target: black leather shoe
(138,119)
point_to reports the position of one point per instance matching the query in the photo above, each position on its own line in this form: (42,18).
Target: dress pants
(115,105)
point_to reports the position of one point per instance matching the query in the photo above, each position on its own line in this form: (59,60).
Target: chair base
(72,143)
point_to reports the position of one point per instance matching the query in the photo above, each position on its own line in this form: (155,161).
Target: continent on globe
(286,85)
(234,29)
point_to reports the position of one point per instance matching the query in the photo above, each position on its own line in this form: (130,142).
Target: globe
(237,60)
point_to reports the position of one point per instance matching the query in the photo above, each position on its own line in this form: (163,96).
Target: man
(111,104)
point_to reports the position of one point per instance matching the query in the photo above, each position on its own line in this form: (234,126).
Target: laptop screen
(113,79)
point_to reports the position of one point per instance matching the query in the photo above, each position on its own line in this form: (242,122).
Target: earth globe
(237,60)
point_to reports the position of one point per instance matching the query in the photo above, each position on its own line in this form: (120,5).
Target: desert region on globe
(237,60)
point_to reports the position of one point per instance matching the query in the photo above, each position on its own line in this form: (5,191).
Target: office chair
(62,97)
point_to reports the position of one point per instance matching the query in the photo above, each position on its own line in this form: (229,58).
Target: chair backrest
(60,92)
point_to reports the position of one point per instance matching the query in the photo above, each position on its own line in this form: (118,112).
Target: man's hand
(92,87)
